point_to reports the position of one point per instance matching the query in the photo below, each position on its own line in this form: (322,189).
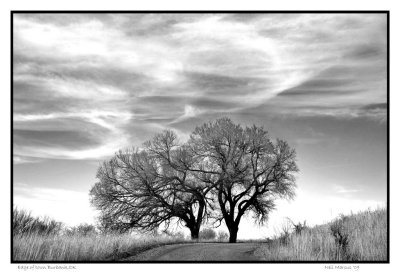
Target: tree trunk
(194,232)
(233,230)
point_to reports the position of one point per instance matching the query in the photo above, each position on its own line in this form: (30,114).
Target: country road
(200,252)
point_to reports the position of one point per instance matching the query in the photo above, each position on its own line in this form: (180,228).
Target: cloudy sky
(87,85)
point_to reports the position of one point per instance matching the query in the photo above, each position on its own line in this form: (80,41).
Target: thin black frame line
(387,12)
(12,133)
(201,262)
(201,11)
(388,135)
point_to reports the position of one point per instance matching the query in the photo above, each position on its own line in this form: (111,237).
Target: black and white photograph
(199,137)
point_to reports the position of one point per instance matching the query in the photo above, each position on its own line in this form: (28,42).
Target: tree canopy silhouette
(149,187)
(249,170)
(223,172)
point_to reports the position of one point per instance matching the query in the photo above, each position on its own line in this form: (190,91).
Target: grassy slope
(43,239)
(366,240)
(33,247)
(366,231)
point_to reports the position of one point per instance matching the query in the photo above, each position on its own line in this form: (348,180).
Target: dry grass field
(35,247)
(43,239)
(355,237)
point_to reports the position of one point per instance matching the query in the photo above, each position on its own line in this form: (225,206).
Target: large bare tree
(248,171)
(150,187)
(239,170)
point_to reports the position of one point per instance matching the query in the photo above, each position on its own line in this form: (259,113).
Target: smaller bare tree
(149,188)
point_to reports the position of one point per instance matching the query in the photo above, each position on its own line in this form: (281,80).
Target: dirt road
(200,252)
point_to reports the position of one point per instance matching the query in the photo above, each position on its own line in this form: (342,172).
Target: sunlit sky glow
(87,85)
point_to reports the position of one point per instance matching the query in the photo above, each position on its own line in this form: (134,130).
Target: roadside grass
(356,237)
(35,247)
(43,239)
(96,247)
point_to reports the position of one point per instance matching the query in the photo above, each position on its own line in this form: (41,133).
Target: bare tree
(248,171)
(147,188)
(192,189)
(238,169)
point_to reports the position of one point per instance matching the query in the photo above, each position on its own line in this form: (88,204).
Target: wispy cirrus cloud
(25,160)
(344,190)
(93,134)
(106,81)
